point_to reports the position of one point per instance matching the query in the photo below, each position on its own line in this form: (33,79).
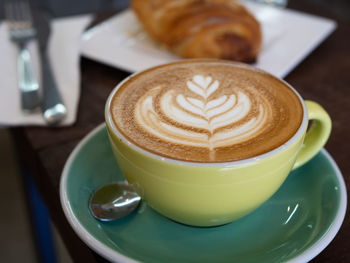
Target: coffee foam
(206,112)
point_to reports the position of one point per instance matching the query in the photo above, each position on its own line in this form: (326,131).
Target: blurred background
(66,7)
(17,237)
(17,243)
(71,7)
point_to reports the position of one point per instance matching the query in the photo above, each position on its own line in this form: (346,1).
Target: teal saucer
(296,224)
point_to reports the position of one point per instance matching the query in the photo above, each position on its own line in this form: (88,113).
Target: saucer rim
(115,256)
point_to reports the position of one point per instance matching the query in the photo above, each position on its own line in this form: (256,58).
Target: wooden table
(324,76)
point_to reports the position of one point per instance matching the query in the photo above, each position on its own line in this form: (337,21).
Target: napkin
(64,53)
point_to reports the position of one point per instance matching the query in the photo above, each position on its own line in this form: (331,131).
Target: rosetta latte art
(206,111)
(201,120)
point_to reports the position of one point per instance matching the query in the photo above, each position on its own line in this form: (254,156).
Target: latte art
(206,111)
(201,121)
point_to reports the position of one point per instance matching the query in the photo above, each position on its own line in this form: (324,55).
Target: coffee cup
(205,142)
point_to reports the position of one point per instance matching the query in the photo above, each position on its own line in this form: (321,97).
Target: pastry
(202,28)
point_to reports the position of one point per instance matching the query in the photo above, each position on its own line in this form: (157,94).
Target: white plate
(288,37)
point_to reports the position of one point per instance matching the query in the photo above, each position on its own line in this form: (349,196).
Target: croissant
(202,28)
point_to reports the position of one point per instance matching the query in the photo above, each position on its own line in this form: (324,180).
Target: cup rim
(290,141)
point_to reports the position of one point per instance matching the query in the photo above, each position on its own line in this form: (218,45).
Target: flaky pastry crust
(202,28)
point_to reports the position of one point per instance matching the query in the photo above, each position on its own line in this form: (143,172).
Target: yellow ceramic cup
(209,194)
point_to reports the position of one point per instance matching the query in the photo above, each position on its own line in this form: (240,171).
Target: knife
(53,108)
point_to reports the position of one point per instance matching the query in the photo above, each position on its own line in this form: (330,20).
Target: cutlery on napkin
(52,106)
(64,53)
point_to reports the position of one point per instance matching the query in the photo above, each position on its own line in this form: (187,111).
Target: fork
(21,31)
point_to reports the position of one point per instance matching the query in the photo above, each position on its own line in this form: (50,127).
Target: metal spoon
(113,201)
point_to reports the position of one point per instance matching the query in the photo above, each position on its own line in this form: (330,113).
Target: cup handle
(318,134)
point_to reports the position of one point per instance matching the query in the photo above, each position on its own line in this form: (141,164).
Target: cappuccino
(206,111)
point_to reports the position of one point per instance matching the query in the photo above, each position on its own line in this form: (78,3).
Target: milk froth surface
(206,111)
